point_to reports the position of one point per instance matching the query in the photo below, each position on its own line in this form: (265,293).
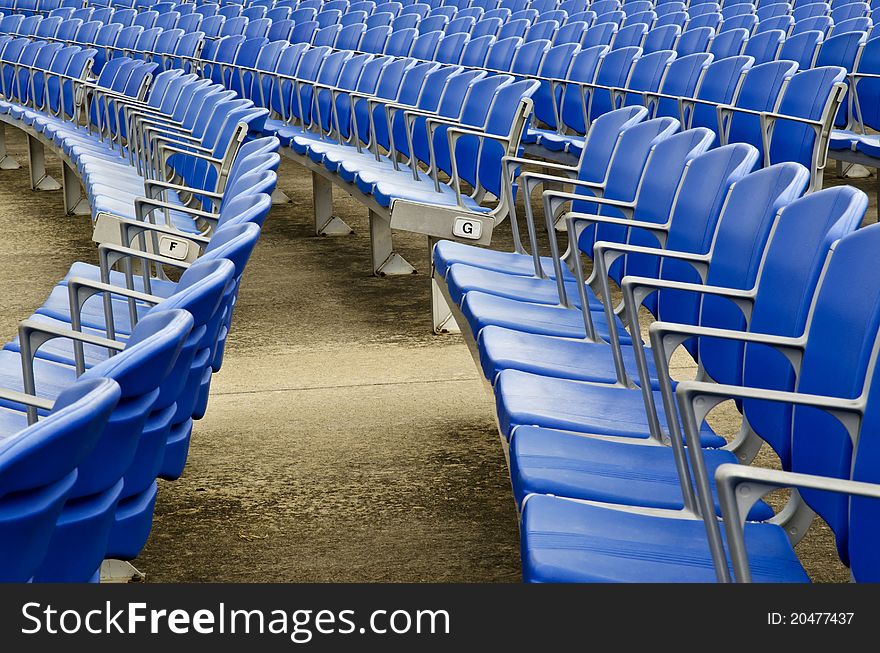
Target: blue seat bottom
(481,310)
(579,360)
(545,461)
(447,252)
(567,541)
(462,278)
(528,399)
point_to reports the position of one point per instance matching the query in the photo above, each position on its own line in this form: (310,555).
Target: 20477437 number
(809,618)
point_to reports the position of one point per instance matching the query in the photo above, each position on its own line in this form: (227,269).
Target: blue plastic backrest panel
(737,253)
(583,69)
(502,53)
(695,220)
(500,121)
(599,34)
(759,92)
(868,90)
(719,85)
(681,80)
(629,36)
(694,40)
(764,46)
(624,174)
(802,48)
(236,241)
(806,96)
(841,337)
(729,43)
(790,274)
(661,38)
(614,70)
(555,65)
(56,444)
(841,50)
(646,74)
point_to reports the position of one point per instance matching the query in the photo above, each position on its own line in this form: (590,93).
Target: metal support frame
(326,224)
(280,197)
(443,318)
(385,260)
(120,571)
(6,161)
(40,179)
(75,201)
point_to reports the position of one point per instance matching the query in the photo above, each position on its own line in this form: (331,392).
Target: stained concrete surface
(343,441)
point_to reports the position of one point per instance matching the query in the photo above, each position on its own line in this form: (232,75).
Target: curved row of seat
(99,391)
(615,472)
(786,114)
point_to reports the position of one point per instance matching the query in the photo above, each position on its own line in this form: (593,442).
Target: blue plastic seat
(39,468)
(694,40)
(682,79)
(514,28)
(543,30)
(861,24)
(765,46)
(281,30)
(820,446)
(729,43)
(821,23)
(678,18)
(599,34)
(81,538)
(691,226)
(784,23)
(661,38)
(710,20)
(486,27)
(720,87)
(629,36)
(524,398)
(475,52)
(802,48)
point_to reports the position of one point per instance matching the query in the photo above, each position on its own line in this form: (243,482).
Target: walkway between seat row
(345,443)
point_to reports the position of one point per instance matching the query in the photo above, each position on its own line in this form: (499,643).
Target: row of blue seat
(739,101)
(725,257)
(102,385)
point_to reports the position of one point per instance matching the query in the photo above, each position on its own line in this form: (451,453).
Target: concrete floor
(344,441)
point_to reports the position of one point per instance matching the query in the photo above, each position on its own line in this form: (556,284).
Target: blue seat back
(807,96)
(502,52)
(719,85)
(790,273)
(556,64)
(661,38)
(681,80)
(694,40)
(646,75)
(614,70)
(38,469)
(802,48)
(599,34)
(737,251)
(529,57)
(575,100)
(140,369)
(765,46)
(656,195)
(729,43)
(629,36)
(836,366)
(622,177)
(760,91)
(475,52)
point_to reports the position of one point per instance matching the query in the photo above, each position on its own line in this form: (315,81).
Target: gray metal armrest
(740,487)
(26,400)
(33,334)
(696,400)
